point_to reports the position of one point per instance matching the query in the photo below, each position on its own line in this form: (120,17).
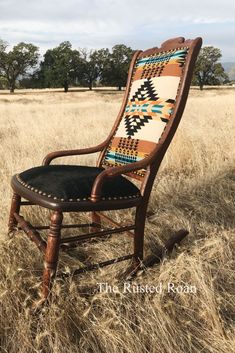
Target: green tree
(208,71)
(115,71)
(3,81)
(94,62)
(17,62)
(61,66)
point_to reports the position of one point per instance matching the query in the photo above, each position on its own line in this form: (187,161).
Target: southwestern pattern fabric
(151,101)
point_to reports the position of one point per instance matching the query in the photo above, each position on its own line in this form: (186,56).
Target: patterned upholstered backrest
(153,92)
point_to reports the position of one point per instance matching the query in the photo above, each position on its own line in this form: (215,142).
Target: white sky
(104,23)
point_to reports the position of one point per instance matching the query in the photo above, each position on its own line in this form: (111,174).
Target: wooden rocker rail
(97,266)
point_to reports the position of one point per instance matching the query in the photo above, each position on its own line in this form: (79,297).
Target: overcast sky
(103,23)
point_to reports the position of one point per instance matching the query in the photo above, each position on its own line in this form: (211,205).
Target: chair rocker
(156,93)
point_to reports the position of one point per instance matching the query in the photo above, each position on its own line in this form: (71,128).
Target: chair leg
(137,259)
(95,218)
(15,208)
(52,253)
(139,234)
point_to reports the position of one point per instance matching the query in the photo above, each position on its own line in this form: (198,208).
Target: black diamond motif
(145,91)
(135,123)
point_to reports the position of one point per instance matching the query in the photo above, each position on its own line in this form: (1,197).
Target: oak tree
(17,62)
(94,62)
(116,69)
(61,66)
(208,71)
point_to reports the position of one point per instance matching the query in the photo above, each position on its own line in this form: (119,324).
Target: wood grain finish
(52,252)
(15,208)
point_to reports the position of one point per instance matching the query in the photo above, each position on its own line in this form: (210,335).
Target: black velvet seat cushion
(74,183)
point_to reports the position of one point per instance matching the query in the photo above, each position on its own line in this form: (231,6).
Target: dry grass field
(195,189)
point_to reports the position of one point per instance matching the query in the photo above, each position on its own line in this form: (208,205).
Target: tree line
(64,66)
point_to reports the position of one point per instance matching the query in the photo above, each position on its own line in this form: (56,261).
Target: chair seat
(69,183)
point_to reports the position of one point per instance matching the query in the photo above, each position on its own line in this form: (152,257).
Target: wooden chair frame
(95,205)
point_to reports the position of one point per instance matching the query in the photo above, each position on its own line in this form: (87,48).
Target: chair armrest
(112,172)
(124,169)
(49,157)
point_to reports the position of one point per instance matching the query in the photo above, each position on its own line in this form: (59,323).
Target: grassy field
(195,189)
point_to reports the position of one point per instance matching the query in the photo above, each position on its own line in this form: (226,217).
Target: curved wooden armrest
(112,172)
(124,169)
(49,157)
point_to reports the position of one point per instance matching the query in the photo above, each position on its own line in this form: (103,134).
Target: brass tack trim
(72,200)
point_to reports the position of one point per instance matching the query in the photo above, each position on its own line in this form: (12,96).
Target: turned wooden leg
(52,253)
(15,208)
(95,218)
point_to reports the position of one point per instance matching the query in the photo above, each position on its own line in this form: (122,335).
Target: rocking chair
(156,93)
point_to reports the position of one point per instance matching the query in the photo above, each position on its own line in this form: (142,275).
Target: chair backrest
(156,93)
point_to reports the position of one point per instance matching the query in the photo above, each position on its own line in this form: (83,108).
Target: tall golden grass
(195,189)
